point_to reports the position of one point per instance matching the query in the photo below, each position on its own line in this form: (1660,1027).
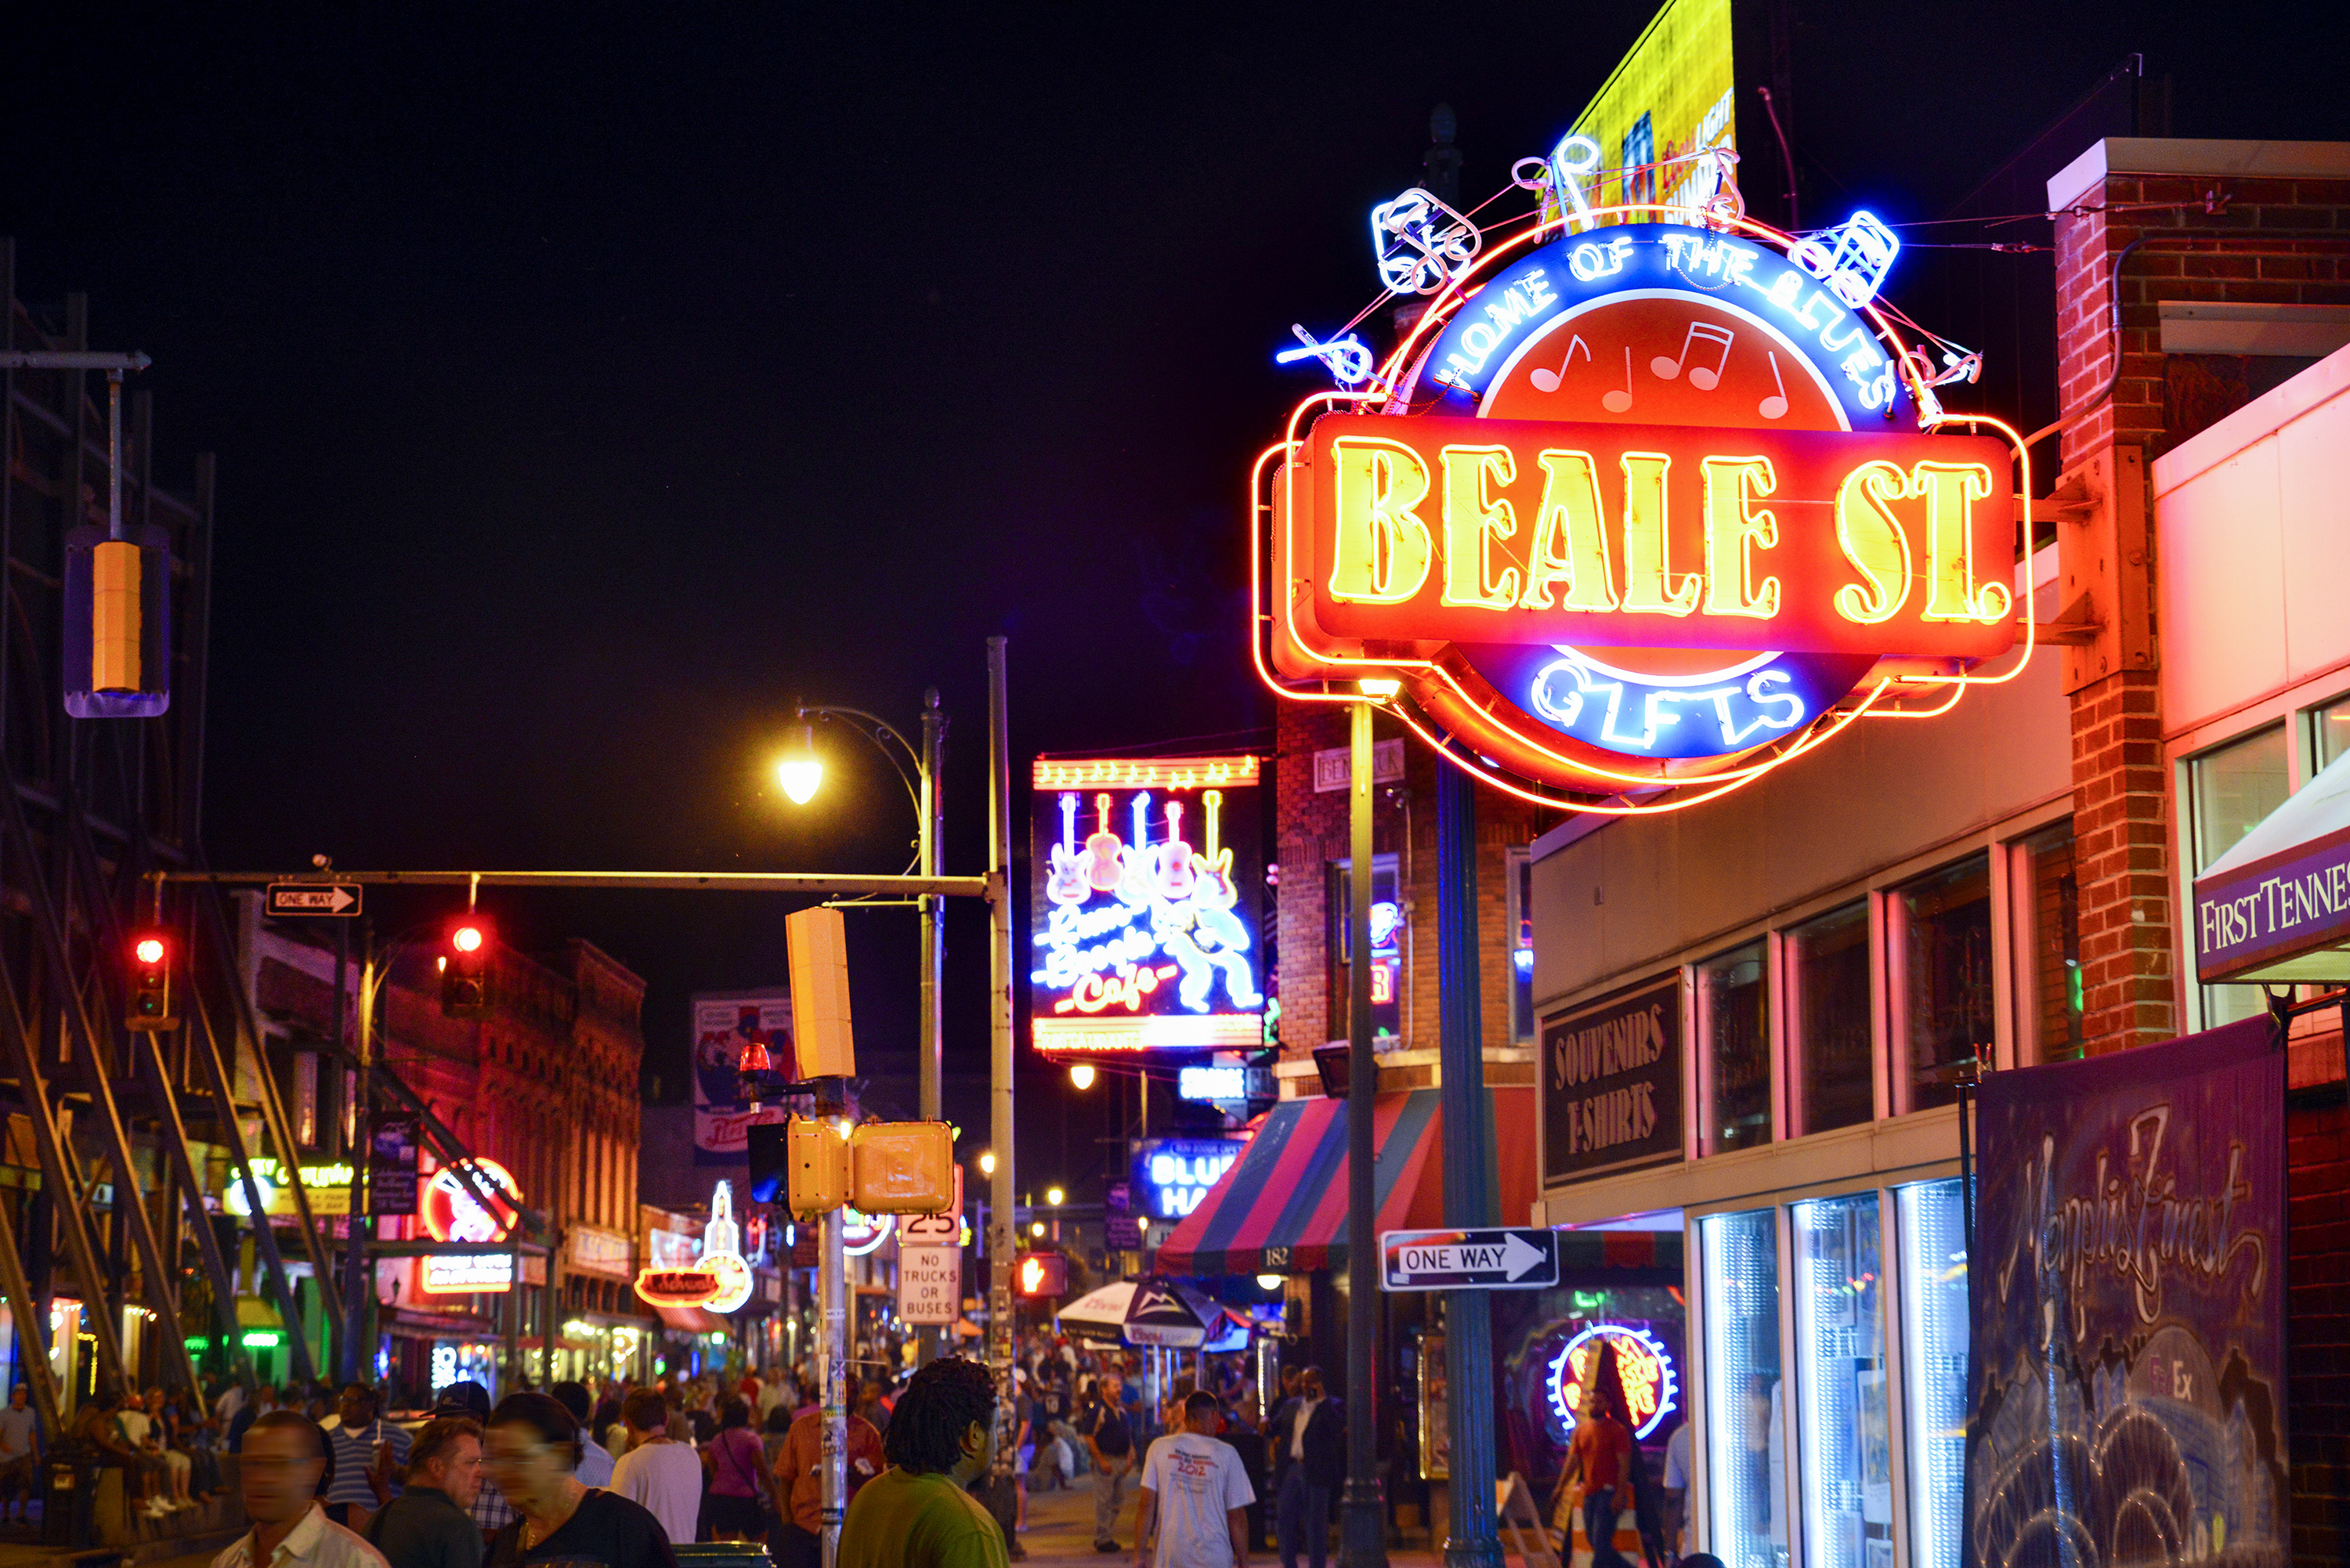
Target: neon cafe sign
(719,1279)
(1641,509)
(451,1213)
(1645,1367)
(1144,903)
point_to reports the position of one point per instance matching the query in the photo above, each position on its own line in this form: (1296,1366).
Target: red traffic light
(466,938)
(466,969)
(148,1005)
(148,949)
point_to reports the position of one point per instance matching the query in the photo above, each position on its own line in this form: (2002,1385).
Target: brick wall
(2317,1322)
(1312,833)
(2250,243)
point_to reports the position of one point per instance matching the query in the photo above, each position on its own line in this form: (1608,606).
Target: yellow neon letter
(1474,518)
(1569,546)
(1733,533)
(1380,548)
(1950,490)
(1649,583)
(1873,541)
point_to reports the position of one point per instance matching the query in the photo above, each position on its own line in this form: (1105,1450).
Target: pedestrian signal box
(1044,1274)
(815,1154)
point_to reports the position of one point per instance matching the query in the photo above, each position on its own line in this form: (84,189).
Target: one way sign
(1468,1260)
(313,899)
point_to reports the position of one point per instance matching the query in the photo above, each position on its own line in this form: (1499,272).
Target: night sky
(588,384)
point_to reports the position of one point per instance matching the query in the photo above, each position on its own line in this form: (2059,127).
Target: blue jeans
(1302,1518)
(1599,1516)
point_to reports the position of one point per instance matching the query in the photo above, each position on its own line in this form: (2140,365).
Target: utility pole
(1469,1180)
(360,1146)
(1362,1531)
(832,1292)
(932,806)
(1000,1129)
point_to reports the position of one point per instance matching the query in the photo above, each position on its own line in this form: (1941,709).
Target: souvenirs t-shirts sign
(1611,1083)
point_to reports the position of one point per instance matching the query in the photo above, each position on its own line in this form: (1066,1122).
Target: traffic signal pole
(832,1290)
(999,980)
(933,1051)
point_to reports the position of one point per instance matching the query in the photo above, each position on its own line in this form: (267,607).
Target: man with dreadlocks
(918,1513)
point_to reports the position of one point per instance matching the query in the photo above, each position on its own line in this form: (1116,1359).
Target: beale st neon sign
(1641,507)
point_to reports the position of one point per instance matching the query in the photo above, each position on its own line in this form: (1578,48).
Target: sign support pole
(1362,1532)
(1468,1187)
(1002,1192)
(934,947)
(833,1287)
(357,1344)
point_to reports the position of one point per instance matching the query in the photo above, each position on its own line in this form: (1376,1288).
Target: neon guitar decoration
(1067,883)
(1216,868)
(1175,879)
(1101,850)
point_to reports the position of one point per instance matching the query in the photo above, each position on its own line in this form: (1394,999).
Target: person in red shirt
(1598,1478)
(799,1475)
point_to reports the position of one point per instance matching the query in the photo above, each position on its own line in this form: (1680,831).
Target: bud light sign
(1171,1175)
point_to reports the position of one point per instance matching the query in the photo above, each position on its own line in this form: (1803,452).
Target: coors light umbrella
(1099,1314)
(1166,1313)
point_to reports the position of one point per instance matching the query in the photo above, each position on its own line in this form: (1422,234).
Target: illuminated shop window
(1746,1450)
(1934,1380)
(1939,941)
(1829,1013)
(1522,946)
(1386,950)
(2050,939)
(2329,733)
(1844,1427)
(1733,1013)
(2229,791)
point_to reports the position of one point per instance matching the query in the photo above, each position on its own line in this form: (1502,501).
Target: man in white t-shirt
(1196,1493)
(658,1471)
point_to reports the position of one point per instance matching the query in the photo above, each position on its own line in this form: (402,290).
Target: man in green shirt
(918,1513)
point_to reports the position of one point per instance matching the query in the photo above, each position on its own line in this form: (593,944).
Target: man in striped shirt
(368,1452)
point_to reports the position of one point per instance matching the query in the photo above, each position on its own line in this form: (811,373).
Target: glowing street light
(1036,1228)
(1054,1196)
(1082,1075)
(987,1162)
(801,771)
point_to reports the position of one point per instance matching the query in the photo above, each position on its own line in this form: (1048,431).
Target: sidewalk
(1061,1533)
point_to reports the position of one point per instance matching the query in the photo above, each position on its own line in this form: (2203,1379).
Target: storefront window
(2053,944)
(1934,1375)
(1386,950)
(2331,733)
(1846,1428)
(1522,946)
(1827,979)
(2231,791)
(1733,1013)
(1746,1454)
(1941,951)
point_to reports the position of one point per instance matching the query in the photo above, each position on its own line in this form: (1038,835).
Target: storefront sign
(2287,915)
(721,1252)
(1643,1365)
(930,1283)
(451,1212)
(676,1287)
(599,1252)
(327,1187)
(1171,1175)
(723,1024)
(2127,1298)
(1611,1084)
(1144,885)
(392,1164)
(1650,502)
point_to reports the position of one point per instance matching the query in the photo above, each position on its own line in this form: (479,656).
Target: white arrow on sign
(1513,1258)
(332,899)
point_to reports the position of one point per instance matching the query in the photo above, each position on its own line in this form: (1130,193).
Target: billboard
(1669,96)
(723,1022)
(2128,1293)
(1145,879)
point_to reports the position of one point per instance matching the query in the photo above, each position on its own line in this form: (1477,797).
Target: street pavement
(1061,1532)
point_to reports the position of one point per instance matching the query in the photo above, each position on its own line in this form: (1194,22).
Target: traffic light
(1044,1274)
(150,983)
(465,971)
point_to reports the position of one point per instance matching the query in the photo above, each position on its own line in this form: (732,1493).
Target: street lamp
(1082,1075)
(800,770)
(1054,1196)
(987,1162)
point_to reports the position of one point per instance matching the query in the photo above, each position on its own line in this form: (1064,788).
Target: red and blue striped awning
(1281,1208)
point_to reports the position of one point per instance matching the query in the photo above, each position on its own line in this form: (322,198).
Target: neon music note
(1704,380)
(1771,408)
(1616,402)
(1548,381)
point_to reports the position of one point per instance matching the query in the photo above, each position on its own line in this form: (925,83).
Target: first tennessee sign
(1636,591)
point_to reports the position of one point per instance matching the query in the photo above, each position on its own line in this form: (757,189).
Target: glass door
(1746,1461)
(1844,1418)
(1934,1368)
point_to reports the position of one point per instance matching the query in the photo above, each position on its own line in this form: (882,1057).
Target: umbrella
(1100,1311)
(1167,1314)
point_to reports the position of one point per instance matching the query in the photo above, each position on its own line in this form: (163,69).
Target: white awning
(2276,908)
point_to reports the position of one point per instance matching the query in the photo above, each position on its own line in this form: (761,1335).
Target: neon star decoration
(1421,244)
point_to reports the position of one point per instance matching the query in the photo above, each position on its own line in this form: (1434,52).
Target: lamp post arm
(880,732)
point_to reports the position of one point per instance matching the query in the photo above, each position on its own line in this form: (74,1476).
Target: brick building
(545,1086)
(1842,939)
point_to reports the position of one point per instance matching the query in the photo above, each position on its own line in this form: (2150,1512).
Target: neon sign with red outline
(1662,686)
(1651,1383)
